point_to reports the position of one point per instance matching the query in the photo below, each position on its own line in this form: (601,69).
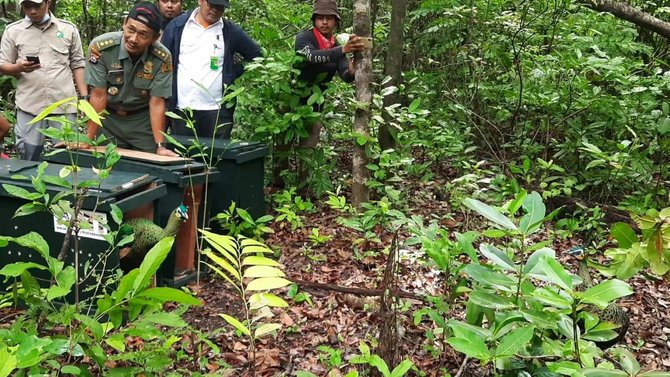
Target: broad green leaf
(20,192)
(606,292)
(380,364)
(254,260)
(152,261)
(236,324)
(304,373)
(492,301)
(224,264)
(266,328)
(534,258)
(225,245)
(169,319)
(251,249)
(472,347)
(17,268)
(497,256)
(465,241)
(490,213)
(552,298)
(117,341)
(8,362)
(225,276)
(654,373)
(624,234)
(491,278)
(36,242)
(125,286)
(600,372)
(258,300)
(166,294)
(535,212)
(513,205)
(56,292)
(89,111)
(402,368)
(627,360)
(70,369)
(70,101)
(554,273)
(263,272)
(546,320)
(514,341)
(466,330)
(263,284)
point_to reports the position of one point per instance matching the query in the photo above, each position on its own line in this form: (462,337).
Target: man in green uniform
(130,73)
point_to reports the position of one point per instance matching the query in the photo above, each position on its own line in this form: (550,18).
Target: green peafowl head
(181,212)
(578,252)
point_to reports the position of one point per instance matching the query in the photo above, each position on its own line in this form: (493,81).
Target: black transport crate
(242,169)
(182,179)
(95,258)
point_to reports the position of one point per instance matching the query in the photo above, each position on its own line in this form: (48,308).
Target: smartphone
(33,59)
(367,42)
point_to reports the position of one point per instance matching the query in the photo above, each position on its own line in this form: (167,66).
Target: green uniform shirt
(129,87)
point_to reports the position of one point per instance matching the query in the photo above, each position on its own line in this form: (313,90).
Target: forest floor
(336,320)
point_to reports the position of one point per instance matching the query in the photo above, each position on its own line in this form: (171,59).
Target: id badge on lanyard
(215,59)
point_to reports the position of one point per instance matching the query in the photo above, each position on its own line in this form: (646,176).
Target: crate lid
(117,183)
(226,149)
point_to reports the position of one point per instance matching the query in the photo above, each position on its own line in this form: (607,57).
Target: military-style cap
(148,14)
(326,8)
(223,3)
(31,1)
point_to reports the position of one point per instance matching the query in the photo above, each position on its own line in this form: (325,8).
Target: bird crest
(182,212)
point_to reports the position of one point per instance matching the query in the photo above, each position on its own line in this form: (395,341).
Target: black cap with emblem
(148,14)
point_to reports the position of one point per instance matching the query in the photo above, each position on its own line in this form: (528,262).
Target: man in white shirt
(203,45)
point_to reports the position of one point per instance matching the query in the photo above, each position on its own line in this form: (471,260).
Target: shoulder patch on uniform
(106,41)
(161,51)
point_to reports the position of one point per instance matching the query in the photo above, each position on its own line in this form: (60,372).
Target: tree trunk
(630,14)
(363,61)
(393,66)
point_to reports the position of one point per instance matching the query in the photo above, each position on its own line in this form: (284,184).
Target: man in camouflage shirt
(131,76)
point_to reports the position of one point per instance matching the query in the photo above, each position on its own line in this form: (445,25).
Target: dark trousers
(207,123)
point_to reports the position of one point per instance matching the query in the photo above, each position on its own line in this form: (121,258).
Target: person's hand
(72,146)
(355,43)
(28,66)
(162,151)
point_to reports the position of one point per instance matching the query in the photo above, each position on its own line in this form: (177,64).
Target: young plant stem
(575,334)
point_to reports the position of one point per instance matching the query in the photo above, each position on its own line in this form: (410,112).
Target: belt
(125,113)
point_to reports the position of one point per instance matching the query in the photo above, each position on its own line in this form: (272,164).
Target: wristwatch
(86,97)
(160,145)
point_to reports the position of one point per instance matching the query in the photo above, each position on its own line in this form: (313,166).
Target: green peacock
(146,235)
(612,313)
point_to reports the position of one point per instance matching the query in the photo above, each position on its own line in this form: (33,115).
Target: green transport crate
(182,178)
(242,169)
(95,261)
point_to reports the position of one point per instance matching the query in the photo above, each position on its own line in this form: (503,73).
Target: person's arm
(306,46)
(99,102)
(77,63)
(9,56)
(246,46)
(157,119)
(78,75)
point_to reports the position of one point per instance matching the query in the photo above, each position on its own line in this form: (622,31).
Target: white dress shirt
(199,87)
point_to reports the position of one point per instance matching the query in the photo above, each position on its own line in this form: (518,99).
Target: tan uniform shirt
(59,49)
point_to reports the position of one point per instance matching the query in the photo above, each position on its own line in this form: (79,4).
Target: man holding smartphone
(45,54)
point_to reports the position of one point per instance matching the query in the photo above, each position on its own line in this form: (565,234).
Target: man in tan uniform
(45,54)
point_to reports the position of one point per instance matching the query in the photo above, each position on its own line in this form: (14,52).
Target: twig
(71,232)
(462,368)
(357,291)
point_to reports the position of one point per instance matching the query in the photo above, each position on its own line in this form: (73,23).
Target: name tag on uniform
(115,76)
